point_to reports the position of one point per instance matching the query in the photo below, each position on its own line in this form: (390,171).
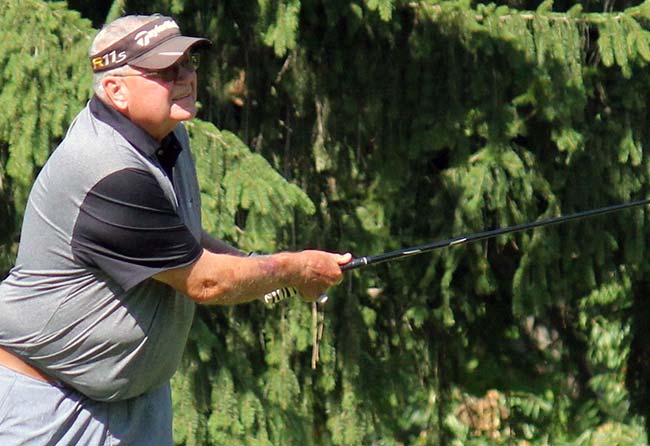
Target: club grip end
(355,263)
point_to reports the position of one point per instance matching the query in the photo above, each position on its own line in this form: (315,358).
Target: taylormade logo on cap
(143,38)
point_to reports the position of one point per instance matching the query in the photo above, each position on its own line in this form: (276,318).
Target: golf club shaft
(461,240)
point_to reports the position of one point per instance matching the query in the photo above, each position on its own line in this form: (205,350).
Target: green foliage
(281,24)
(398,122)
(244,199)
(408,121)
(117,10)
(42,49)
(385,8)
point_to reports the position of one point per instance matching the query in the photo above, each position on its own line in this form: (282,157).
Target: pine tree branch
(576,16)
(117,9)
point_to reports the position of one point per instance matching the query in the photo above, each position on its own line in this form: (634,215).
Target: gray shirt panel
(75,322)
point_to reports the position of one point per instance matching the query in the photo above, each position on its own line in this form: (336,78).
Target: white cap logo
(143,38)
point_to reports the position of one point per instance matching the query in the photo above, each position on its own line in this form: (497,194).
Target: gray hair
(110,34)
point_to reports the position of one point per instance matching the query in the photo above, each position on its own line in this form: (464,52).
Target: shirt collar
(134,134)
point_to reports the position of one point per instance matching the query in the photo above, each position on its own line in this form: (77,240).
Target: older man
(112,259)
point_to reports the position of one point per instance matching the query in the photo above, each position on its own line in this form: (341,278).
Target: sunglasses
(173,73)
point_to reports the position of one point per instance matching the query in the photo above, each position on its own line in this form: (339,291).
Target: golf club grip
(278,295)
(283,293)
(355,263)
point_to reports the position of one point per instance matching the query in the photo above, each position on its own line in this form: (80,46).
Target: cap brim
(168,53)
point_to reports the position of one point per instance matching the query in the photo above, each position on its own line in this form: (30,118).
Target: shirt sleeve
(128,229)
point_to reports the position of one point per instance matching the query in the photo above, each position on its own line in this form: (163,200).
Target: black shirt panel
(128,228)
(168,153)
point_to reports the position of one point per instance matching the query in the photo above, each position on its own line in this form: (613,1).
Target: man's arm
(222,279)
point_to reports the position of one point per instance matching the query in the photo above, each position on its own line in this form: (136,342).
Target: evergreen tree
(42,52)
(408,120)
(403,122)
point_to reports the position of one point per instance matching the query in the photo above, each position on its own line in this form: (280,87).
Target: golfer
(112,259)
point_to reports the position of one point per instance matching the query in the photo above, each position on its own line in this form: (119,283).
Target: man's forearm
(224,279)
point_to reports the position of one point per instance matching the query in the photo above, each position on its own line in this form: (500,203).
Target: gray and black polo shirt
(111,208)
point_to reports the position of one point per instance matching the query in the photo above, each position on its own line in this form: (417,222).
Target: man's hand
(313,272)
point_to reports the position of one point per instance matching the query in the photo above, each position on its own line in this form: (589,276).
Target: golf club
(359,262)
(461,240)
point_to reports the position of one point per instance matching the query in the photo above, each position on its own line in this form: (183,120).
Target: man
(112,259)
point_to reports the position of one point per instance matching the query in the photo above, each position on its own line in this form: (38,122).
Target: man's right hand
(313,272)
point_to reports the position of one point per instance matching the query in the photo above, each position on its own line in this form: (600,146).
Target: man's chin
(183,112)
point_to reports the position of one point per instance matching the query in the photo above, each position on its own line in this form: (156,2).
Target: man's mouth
(182,96)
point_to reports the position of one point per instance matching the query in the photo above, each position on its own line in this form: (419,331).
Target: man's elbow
(210,292)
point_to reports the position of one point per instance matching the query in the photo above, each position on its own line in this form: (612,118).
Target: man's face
(158,101)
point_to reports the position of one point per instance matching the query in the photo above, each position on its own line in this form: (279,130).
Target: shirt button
(160,153)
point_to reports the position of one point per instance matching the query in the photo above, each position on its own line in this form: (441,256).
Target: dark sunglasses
(173,73)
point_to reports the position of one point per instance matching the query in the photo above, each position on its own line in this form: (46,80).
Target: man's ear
(117,92)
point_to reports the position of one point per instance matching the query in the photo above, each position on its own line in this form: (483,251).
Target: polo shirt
(111,208)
